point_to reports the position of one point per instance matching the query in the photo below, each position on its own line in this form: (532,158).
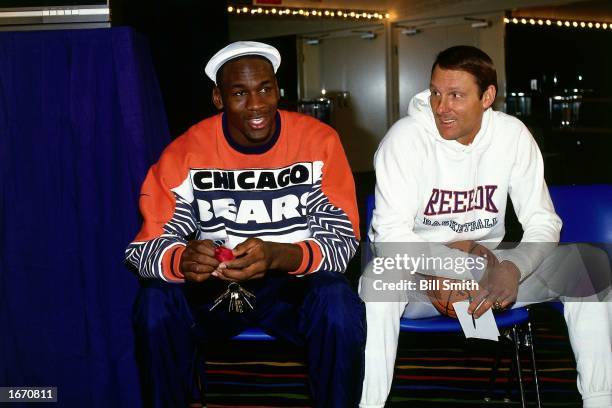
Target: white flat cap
(240,49)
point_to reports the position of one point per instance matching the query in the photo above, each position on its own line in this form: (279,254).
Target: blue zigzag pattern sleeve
(147,256)
(332,229)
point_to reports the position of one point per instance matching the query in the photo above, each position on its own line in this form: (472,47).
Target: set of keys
(238,297)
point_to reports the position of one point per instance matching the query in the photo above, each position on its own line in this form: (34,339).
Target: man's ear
(488,97)
(217,99)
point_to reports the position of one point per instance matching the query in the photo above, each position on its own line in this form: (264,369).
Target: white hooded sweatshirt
(429,189)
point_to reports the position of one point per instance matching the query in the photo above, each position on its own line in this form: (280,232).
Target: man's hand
(484,252)
(198,260)
(474,248)
(253,258)
(500,284)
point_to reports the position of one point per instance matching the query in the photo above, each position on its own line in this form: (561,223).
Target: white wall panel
(416,53)
(357,66)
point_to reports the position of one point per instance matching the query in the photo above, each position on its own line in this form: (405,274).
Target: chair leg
(517,358)
(534,365)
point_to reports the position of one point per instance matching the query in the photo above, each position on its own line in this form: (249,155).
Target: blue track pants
(319,312)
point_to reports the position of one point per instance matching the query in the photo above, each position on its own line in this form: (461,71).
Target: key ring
(237,296)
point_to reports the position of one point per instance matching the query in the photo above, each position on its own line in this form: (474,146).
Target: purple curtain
(81,120)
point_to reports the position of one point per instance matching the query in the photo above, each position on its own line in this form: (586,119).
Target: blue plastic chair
(586,212)
(513,321)
(254,334)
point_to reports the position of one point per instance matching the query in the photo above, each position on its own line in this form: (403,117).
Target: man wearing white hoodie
(443,175)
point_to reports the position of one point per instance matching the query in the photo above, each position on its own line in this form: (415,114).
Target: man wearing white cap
(250,220)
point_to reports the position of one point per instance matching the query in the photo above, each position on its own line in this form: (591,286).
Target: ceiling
(600,10)
(402,9)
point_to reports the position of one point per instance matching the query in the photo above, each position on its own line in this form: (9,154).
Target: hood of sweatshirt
(458,164)
(420,110)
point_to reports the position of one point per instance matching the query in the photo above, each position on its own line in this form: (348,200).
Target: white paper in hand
(486,328)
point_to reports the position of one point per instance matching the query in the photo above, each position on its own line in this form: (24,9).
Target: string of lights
(308,13)
(558,23)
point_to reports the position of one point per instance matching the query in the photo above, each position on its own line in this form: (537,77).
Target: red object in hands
(223,254)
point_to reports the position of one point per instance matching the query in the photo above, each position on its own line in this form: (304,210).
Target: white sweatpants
(589,326)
